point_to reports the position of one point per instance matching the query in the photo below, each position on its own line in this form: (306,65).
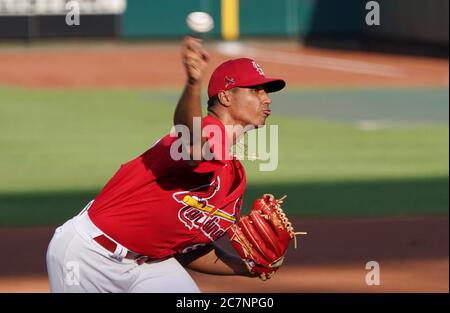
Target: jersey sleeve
(216,150)
(163,157)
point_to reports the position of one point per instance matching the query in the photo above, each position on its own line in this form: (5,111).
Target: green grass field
(58,148)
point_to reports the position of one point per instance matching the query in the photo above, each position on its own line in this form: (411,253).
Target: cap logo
(258,68)
(229,81)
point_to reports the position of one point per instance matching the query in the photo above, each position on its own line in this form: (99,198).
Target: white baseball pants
(77,263)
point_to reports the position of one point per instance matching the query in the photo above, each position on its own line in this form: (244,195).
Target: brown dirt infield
(412,253)
(146,65)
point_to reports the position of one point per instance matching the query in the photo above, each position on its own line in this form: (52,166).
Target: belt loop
(120,252)
(91,231)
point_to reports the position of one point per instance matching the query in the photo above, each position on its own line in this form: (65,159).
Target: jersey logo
(203,206)
(198,213)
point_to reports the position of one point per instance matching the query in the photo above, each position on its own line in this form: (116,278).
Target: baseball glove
(262,238)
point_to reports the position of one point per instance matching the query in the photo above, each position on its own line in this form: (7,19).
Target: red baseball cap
(241,72)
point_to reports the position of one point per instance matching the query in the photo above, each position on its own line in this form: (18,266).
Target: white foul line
(311,61)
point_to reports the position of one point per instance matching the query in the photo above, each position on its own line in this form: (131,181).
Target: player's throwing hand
(195,59)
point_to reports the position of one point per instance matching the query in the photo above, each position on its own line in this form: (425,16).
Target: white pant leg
(77,264)
(166,276)
(55,268)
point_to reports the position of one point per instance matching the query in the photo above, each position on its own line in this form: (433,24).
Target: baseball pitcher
(161,213)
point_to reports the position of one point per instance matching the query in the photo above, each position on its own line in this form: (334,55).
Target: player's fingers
(188,41)
(197,55)
(193,54)
(193,66)
(193,62)
(205,55)
(192,58)
(190,45)
(194,45)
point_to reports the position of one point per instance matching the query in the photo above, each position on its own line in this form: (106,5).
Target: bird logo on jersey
(198,213)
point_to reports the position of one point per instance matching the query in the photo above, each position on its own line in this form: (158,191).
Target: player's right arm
(212,259)
(195,61)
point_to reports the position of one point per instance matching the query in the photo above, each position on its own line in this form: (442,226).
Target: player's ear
(224,97)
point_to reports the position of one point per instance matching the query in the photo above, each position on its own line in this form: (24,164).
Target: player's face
(251,106)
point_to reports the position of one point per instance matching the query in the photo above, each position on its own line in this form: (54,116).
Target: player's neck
(233,133)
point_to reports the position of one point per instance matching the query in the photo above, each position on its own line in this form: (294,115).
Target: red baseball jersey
(157,206)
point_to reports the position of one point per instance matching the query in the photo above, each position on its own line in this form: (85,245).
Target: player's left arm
(214,260)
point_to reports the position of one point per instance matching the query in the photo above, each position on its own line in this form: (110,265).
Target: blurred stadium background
(363,125)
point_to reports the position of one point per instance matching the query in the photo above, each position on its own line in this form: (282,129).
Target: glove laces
(284,218)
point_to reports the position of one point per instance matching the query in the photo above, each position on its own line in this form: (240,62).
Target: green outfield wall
(165,18)
(413,20)
(407,21)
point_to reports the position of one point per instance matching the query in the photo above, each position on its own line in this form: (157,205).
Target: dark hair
(212,100)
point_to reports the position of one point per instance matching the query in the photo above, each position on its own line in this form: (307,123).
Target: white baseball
(200,22)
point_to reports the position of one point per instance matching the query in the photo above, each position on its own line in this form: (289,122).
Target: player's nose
(266,98)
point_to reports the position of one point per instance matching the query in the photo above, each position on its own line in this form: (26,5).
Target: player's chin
(261,122)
